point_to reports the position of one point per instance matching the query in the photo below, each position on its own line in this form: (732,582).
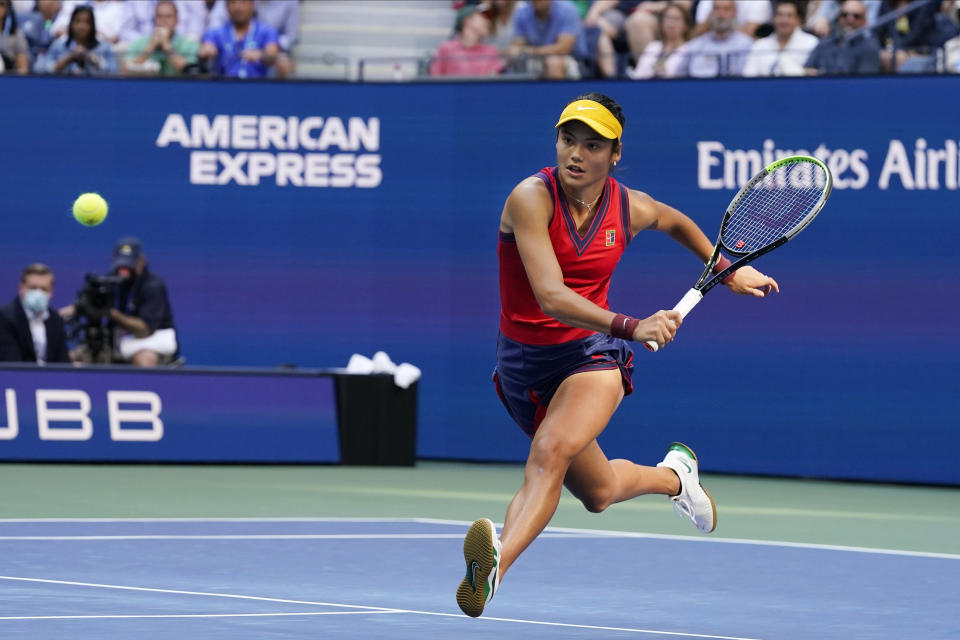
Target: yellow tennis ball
(90,209)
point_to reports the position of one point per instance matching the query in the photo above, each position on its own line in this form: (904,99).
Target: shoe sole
(477,548)
(713,505)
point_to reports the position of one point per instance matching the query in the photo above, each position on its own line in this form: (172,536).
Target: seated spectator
(951,49)
(664,58)
(165,52)
(110,17)
(848,51)
(721,51)
(643,24)
(284,16)
(908,37)
(783,52)
(28,331)
(194,18)
(37,26)
(751,15)
(548,39)
(14,50)
(500,13)
(79,52)
(822,15)
(22,7)
(243,47)
(466,54)
(604,28)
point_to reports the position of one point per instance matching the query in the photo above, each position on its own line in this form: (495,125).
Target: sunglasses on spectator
(847,14)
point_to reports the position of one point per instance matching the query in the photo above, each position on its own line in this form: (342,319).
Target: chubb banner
(62,413)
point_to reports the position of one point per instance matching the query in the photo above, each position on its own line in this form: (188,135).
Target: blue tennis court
(243,578)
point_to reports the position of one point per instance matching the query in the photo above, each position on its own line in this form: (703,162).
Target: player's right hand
(661,327)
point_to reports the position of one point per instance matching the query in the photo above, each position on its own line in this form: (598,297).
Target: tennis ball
(90,209)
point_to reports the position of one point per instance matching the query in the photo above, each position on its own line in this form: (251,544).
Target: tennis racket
(776,205)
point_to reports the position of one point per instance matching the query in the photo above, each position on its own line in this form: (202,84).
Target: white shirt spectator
(768,59)
(193,18)
(23,7)
(952,54)
(755,11)
(709,56)
(670,67)
(284,16)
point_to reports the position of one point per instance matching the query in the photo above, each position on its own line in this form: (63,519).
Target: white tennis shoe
(693,501)
(481,551)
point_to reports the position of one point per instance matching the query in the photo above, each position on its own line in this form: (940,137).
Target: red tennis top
(587,261)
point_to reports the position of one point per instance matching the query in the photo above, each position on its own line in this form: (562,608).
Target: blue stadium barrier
(304,222)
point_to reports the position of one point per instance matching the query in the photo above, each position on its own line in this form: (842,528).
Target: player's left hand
(748,281)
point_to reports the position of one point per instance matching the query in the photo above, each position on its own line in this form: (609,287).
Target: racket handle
(687,302)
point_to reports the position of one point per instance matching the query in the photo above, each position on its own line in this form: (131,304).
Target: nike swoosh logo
(689,468)
(474,567)
(580,107)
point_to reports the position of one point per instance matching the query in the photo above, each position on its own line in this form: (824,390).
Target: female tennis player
(564,361)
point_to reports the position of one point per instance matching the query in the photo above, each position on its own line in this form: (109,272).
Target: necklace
(588,205)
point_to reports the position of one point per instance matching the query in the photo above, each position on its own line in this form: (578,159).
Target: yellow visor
(594,115)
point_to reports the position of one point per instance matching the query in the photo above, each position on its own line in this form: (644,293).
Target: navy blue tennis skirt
(527,376)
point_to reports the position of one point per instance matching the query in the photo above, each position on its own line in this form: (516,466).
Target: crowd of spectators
(554,39)
(232,38)
(638,39)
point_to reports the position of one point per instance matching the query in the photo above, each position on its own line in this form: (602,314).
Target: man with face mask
(29,332)
(141,310)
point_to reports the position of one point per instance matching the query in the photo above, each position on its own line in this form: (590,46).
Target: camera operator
(141,309)
(28,331)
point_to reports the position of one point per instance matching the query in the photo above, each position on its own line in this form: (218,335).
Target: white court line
(283,536)
(603,533)
(202,615)
(462,523)
(236,519)
(368,609)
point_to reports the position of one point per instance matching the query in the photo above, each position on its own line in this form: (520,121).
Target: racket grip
(687,302)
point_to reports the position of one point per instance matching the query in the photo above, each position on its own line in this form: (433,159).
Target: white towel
(382,363)
(360,364)
(406,375)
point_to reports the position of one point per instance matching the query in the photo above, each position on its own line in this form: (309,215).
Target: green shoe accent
(682,448)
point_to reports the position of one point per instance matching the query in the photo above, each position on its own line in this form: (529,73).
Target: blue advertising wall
(160,415)
(303,222)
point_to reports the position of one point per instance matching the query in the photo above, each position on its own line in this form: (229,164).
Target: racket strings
(774,206)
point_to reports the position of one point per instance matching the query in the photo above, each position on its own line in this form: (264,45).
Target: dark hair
(611,106)
(35,269)
(799,5)
(687,18)
(10,19)
(92,41)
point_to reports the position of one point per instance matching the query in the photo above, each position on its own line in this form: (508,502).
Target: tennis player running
(564,360)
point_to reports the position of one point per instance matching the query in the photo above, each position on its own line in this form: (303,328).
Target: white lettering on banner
(267,145)
(120,416)
(79,415)
(12,428)
(927,168)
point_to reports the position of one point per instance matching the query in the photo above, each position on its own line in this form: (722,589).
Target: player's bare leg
(598,482)
(578,413)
